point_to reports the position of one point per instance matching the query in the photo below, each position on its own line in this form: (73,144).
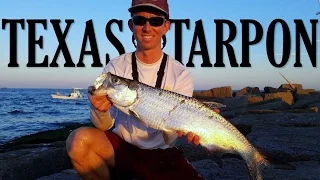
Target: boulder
(304,91)
(206,93)
(315,93)
(283,119)
(287,143)
(33,163)
(235,102)
(273,104)
(267,111)
(284,96)
(269,89)
(68,174)
(190,151)
(255,99)
(316,105)
(234,168)
(287,86)
(248,91)
(220,92)
(305,101)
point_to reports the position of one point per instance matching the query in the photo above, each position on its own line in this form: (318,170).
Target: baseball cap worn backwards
(161,5)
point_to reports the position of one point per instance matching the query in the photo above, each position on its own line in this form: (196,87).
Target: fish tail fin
(255,163)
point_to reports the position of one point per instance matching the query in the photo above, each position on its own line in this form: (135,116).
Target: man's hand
(101,103)
(191,137)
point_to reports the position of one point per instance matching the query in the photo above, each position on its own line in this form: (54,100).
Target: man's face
(148,34)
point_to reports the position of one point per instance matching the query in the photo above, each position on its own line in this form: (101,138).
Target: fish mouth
(100,80)
(117,89)
(99,85)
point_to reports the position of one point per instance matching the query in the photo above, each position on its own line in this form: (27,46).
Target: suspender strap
(160,73)
(161,70)
(135,74)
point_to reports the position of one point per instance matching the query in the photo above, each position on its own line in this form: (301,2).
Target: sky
(262,73)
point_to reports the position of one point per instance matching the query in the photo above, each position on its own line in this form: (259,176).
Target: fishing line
(244,106)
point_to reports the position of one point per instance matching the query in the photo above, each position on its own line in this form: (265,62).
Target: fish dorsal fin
(213,105)
(134,114)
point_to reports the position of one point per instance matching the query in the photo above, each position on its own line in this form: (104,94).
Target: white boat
(76,94)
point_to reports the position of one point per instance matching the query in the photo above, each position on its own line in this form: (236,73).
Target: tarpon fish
(169,112)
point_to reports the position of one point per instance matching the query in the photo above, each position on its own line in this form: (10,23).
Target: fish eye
(115,80)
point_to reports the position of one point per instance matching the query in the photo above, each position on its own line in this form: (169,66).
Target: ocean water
(28,111)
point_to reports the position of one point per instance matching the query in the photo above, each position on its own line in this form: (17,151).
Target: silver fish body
(168,111)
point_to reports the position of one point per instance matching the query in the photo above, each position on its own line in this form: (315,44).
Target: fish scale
(181,118)
(169,111)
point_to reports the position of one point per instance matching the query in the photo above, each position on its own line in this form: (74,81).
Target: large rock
(190,151)
(220,92)
(269,89)
(285,96)
(304,91)
(232,168)
(235,102)
(287,143)
(255,99)
(248,91)
(274,104)
(315,93)
(236,169)
(305,101)
(277,119)
(287,86)
(266,111)
(32,163)
(304,170)
(206,93)
(301,93)
(68,174)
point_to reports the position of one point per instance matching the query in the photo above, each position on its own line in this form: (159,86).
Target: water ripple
(27,111)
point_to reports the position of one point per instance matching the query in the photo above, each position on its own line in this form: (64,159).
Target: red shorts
(133,162)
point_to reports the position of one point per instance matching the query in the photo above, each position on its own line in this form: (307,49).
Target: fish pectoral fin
(216,153)
(134,114)
(170,137)
(213,105)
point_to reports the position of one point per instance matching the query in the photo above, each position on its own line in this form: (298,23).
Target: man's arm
(100,112)
(100,107)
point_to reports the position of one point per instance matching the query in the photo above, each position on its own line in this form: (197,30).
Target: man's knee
(78,140)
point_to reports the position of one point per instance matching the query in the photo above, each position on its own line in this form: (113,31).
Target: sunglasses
(153,21)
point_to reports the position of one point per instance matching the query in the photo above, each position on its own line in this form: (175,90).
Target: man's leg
(169,164)
(91,153)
